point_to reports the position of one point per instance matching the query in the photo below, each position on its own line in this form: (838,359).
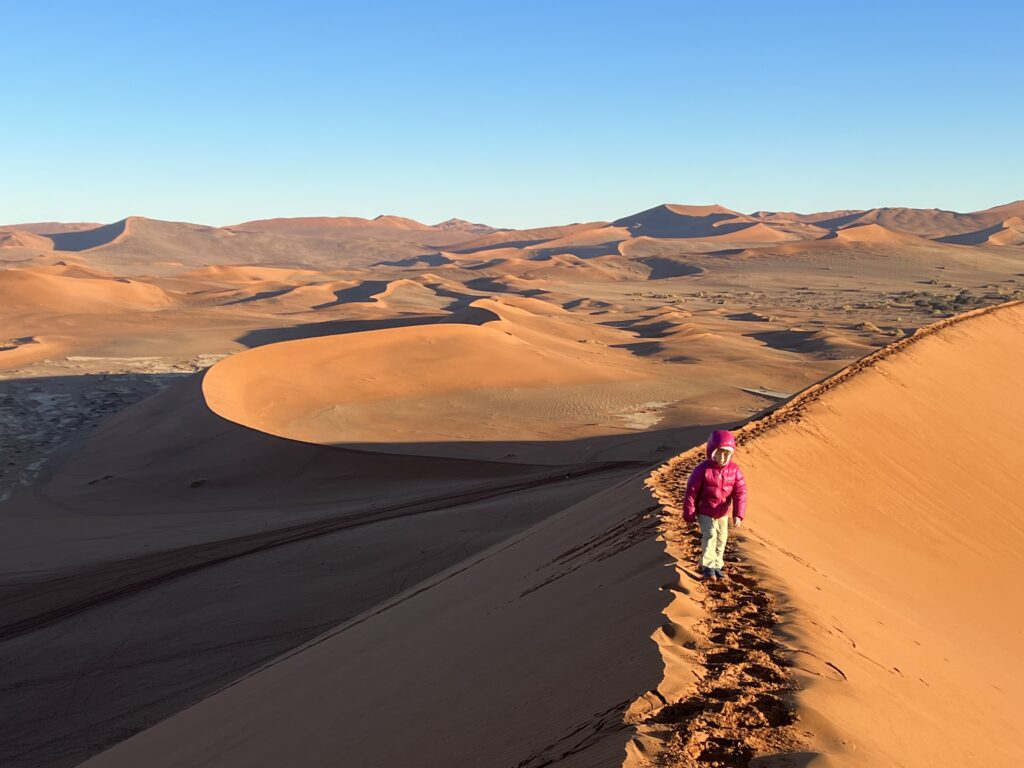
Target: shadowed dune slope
(885,510)
(525,654)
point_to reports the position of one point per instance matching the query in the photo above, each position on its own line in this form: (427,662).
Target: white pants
(714,532)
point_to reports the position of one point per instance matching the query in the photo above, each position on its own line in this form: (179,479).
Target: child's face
(721,456)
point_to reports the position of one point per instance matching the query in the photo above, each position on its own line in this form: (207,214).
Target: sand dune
(419,384)
(313,224)
(19,238)
(524,237)
(885,650)
(86,239)
(52,227)
(585,237)
(383,227)
(245,273)
(821,342)
(876,233)
(684,221)
(1007,232)
(929,223)
(150,246)
(524,654)
(33,291)
(16,352)
(866,538)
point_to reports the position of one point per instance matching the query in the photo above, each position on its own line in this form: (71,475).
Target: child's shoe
(707,573)
(717,573)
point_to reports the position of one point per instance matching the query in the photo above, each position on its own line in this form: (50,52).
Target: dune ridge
(799,677)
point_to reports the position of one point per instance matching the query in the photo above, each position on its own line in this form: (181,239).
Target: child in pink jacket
(714,484)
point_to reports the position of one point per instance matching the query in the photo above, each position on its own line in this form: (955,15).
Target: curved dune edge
(421,384)
(800,705)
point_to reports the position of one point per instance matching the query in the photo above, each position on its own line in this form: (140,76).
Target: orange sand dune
(885,519)
(684,221)
(139,245)
(67,268)
(387,228)
(1007,232)
(317,224)
(586,237)
(557,266)
(521,237)
(33,291)
(804,218)
(904,650)
(87,239)
(403,385)
(20,238)
(52,227)
(821,342)
(929,223)
(245,273)
(18,352)
(758,233)
(876,233)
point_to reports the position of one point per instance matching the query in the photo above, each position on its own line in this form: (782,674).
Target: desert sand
(297,491)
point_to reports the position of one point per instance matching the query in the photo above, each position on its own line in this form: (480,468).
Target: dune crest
(875,494)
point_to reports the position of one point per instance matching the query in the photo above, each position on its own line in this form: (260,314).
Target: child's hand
(736,522)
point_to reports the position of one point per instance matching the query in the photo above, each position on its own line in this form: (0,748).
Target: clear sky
(511,113)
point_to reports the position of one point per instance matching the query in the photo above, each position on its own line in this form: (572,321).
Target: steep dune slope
(886,519)
(523,655)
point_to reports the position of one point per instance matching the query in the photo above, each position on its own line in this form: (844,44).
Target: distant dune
(382,227)
(525,237)
(82,240)
(28,291)
(21,238)
(1010,231)
(387,387)
(318,224)
(876,233)
(52,227)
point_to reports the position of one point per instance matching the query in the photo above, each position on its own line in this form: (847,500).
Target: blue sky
(514,114)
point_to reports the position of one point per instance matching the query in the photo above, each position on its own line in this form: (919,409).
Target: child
(713,484)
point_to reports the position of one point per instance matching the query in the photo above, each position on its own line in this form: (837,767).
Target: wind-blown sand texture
(430,443)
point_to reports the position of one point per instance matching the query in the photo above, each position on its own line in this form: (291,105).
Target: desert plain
(370,492)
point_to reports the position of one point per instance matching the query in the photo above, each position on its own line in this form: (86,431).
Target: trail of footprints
(743,703)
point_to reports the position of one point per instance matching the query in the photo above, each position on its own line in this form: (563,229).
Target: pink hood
(720,438)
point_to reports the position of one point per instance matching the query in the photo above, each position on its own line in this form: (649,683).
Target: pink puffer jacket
(711,487)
